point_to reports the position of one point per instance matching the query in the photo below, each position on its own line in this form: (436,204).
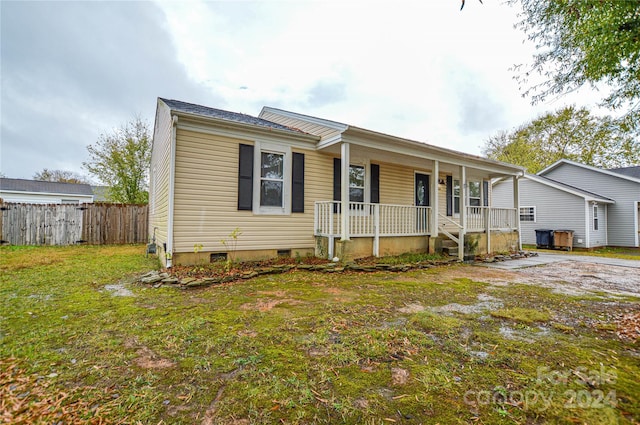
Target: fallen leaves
(27,399)
(629,326)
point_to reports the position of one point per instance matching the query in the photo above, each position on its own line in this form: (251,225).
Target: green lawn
(427,346)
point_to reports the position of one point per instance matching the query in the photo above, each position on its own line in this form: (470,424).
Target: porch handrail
(455,223)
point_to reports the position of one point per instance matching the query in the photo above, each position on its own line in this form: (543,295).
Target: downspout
(172,181)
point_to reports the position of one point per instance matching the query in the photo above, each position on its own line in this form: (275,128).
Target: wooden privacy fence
(66,224)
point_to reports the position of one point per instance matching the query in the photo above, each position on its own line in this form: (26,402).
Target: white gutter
(172,182)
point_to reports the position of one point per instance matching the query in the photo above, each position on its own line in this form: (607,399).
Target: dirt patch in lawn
(572,276)
(268,304)
(567,277)
(147,358)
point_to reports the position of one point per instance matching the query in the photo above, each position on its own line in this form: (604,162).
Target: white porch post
(516,205)
(434,199)
(463,210)
(376,230)
(487,226)
(344,186)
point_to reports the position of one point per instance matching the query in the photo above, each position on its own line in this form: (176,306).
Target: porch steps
(450,248)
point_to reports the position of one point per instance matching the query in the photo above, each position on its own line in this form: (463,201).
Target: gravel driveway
(571,274)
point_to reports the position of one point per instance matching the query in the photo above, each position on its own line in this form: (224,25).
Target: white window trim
(367,186)
(479,198)
(367,179)
(535,215)
(595,218)
(259,148)
(464,190)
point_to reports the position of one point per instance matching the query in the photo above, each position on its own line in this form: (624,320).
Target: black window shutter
(485,193)
(297,183)
(245,178)
(449,196)
(337,195)
(375,183)
(336,179)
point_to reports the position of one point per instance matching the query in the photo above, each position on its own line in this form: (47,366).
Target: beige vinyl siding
(206,199)
(306,126)
(396,184)
(159,175)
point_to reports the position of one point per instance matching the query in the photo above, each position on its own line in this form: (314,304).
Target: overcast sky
(419,69)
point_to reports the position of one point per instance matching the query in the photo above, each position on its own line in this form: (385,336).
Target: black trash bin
(544,238)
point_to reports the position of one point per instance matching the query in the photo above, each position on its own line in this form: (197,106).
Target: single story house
(602,207)
(42,192)
(283,183)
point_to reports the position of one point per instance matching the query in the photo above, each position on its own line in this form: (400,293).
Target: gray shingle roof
(628,171)
(576,189)
(22,185)
(205,111)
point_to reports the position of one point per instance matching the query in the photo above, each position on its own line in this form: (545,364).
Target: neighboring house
(293,184)
(42,192)
(602,207)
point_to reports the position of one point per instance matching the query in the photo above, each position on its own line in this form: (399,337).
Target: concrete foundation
(363,247)
(191,258)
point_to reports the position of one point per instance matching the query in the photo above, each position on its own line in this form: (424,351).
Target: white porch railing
(498,219)
(376,220)
(371,220)
(367,220)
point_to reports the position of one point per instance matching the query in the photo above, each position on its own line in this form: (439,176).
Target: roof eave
(244,126)
(551,183)
(587,167)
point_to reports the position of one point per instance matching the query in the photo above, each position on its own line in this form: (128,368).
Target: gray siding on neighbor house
(555,209)
(621,216)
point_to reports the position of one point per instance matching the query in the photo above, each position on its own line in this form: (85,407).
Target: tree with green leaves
(60,176)
(569,133)
(121,159)
(585,42)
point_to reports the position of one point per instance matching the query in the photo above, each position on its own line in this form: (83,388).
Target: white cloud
(413,68)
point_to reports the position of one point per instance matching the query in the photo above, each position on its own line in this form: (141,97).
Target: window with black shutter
(449,196)
(297,183)
(245,178)
(375,183)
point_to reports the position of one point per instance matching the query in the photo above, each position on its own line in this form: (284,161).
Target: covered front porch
(379,221)
(405,196)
